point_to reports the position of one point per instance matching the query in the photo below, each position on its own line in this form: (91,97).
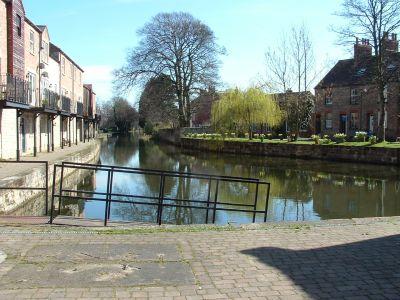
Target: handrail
(161,200)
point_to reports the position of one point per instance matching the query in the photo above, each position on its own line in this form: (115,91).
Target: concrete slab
(96,275)
(103,252)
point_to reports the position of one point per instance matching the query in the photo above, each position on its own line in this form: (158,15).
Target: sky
(98,33)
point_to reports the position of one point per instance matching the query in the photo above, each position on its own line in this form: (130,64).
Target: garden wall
(374,155)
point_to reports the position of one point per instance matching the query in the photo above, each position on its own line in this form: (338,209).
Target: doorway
(370,124)
(343,124)
(318,125)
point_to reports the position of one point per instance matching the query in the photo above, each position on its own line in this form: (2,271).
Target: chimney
(390,42)
(362,51)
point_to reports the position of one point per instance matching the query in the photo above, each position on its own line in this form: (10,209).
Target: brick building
(347,100)
(41,89)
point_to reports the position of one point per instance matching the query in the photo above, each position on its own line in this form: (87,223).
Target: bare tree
(179,46)
(374,20)
(292,64)
(279,61)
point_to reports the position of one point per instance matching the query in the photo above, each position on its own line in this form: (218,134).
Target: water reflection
(300,190)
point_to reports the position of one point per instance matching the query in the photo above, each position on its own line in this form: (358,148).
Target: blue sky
(97,33)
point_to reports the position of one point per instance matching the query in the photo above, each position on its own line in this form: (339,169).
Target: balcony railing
(14,89)
(79,108)
(50,100)
(66,104)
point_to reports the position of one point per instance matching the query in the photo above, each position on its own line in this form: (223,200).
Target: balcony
(14,91)
(50,100)
(66,104)
(79,108)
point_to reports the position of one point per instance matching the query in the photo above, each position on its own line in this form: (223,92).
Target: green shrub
(361,136)
(316,139)
(373,140)
(204,135)
(326,140)
(195,135)
(262,137)
(339,138)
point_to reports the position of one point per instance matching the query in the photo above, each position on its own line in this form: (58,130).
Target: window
(328,121)
(19,25)
(32,42)
(385,94)
(72,70)
(45,55)
(353,120)
(328,100)
(32,87)
(63,65)
(354,96)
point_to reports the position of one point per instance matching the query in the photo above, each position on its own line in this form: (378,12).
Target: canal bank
(337,153)
(32,202)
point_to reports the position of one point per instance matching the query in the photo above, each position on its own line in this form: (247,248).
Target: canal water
(301,190)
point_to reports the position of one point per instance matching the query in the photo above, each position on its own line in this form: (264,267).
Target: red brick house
(347,100)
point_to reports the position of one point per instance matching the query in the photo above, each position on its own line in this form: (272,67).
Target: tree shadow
(363,269)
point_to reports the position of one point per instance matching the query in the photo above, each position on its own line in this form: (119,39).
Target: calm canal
(300,190)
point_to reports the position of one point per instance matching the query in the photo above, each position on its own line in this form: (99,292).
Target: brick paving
(326,260)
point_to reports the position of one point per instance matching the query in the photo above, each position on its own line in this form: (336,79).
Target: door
(343,124)
(23,135)
(318,125)
(371,124)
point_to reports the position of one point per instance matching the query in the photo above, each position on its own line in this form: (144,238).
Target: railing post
(160,199)
(267,203)
(53,192)
(47,187)
(255,204)
(111,189)
(215,201)
(61,185)
(107,197)
(208,199)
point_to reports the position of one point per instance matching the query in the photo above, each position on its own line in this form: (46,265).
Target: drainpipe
(76,131)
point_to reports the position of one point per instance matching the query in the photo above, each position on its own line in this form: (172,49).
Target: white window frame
(45,57)
(328,122)
(32,42)
(354,96)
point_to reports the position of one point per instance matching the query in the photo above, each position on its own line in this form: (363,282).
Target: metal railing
(14,89)
(211,205)
(66,104)
(45,189)
(50,99)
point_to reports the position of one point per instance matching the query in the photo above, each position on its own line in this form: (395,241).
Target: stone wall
(325,152)
(11,200)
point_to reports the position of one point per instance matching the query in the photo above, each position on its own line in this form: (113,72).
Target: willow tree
(179,46)
(241,110)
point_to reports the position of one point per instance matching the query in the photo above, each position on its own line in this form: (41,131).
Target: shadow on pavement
(369,268)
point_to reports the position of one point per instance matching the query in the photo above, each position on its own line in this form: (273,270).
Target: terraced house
(347,99)
(41,90)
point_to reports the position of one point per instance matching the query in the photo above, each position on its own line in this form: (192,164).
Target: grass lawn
(392,145)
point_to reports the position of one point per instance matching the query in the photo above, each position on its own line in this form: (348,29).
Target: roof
(280,97)
(33,25)
(54,48)
(348,73)
(42,27)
